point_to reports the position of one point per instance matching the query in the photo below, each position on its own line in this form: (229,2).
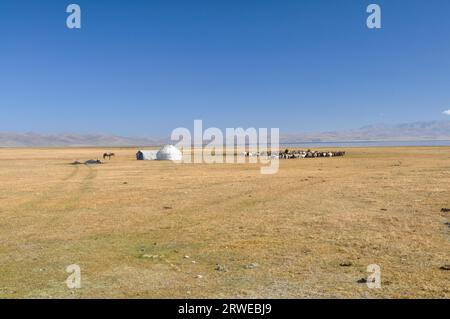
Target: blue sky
(143,68)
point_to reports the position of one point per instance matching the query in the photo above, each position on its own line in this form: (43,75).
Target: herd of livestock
(289,154)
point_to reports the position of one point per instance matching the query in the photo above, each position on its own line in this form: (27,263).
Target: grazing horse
(108,155)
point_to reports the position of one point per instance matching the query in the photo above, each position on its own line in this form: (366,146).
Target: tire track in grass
(52,217)
(60,198)
(62,208)
(47,194)
(36,211)
(72,198)
(86,186)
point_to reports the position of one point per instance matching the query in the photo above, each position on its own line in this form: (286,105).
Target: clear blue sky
(142,68)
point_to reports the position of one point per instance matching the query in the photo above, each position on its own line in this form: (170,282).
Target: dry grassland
(131,225)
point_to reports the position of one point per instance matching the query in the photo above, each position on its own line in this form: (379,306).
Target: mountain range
(417,131)
(73,140)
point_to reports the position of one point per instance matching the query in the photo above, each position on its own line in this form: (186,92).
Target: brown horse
(108,155)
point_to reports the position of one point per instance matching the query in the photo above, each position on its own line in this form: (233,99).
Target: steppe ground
(145,229)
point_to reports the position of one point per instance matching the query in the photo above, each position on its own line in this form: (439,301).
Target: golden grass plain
(130,224)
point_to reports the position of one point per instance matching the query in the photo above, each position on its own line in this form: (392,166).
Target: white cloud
(446,112)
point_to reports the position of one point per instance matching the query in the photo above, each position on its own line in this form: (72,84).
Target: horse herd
(289,154)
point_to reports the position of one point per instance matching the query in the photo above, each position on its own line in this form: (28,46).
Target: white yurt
(144,155)
(169,152)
